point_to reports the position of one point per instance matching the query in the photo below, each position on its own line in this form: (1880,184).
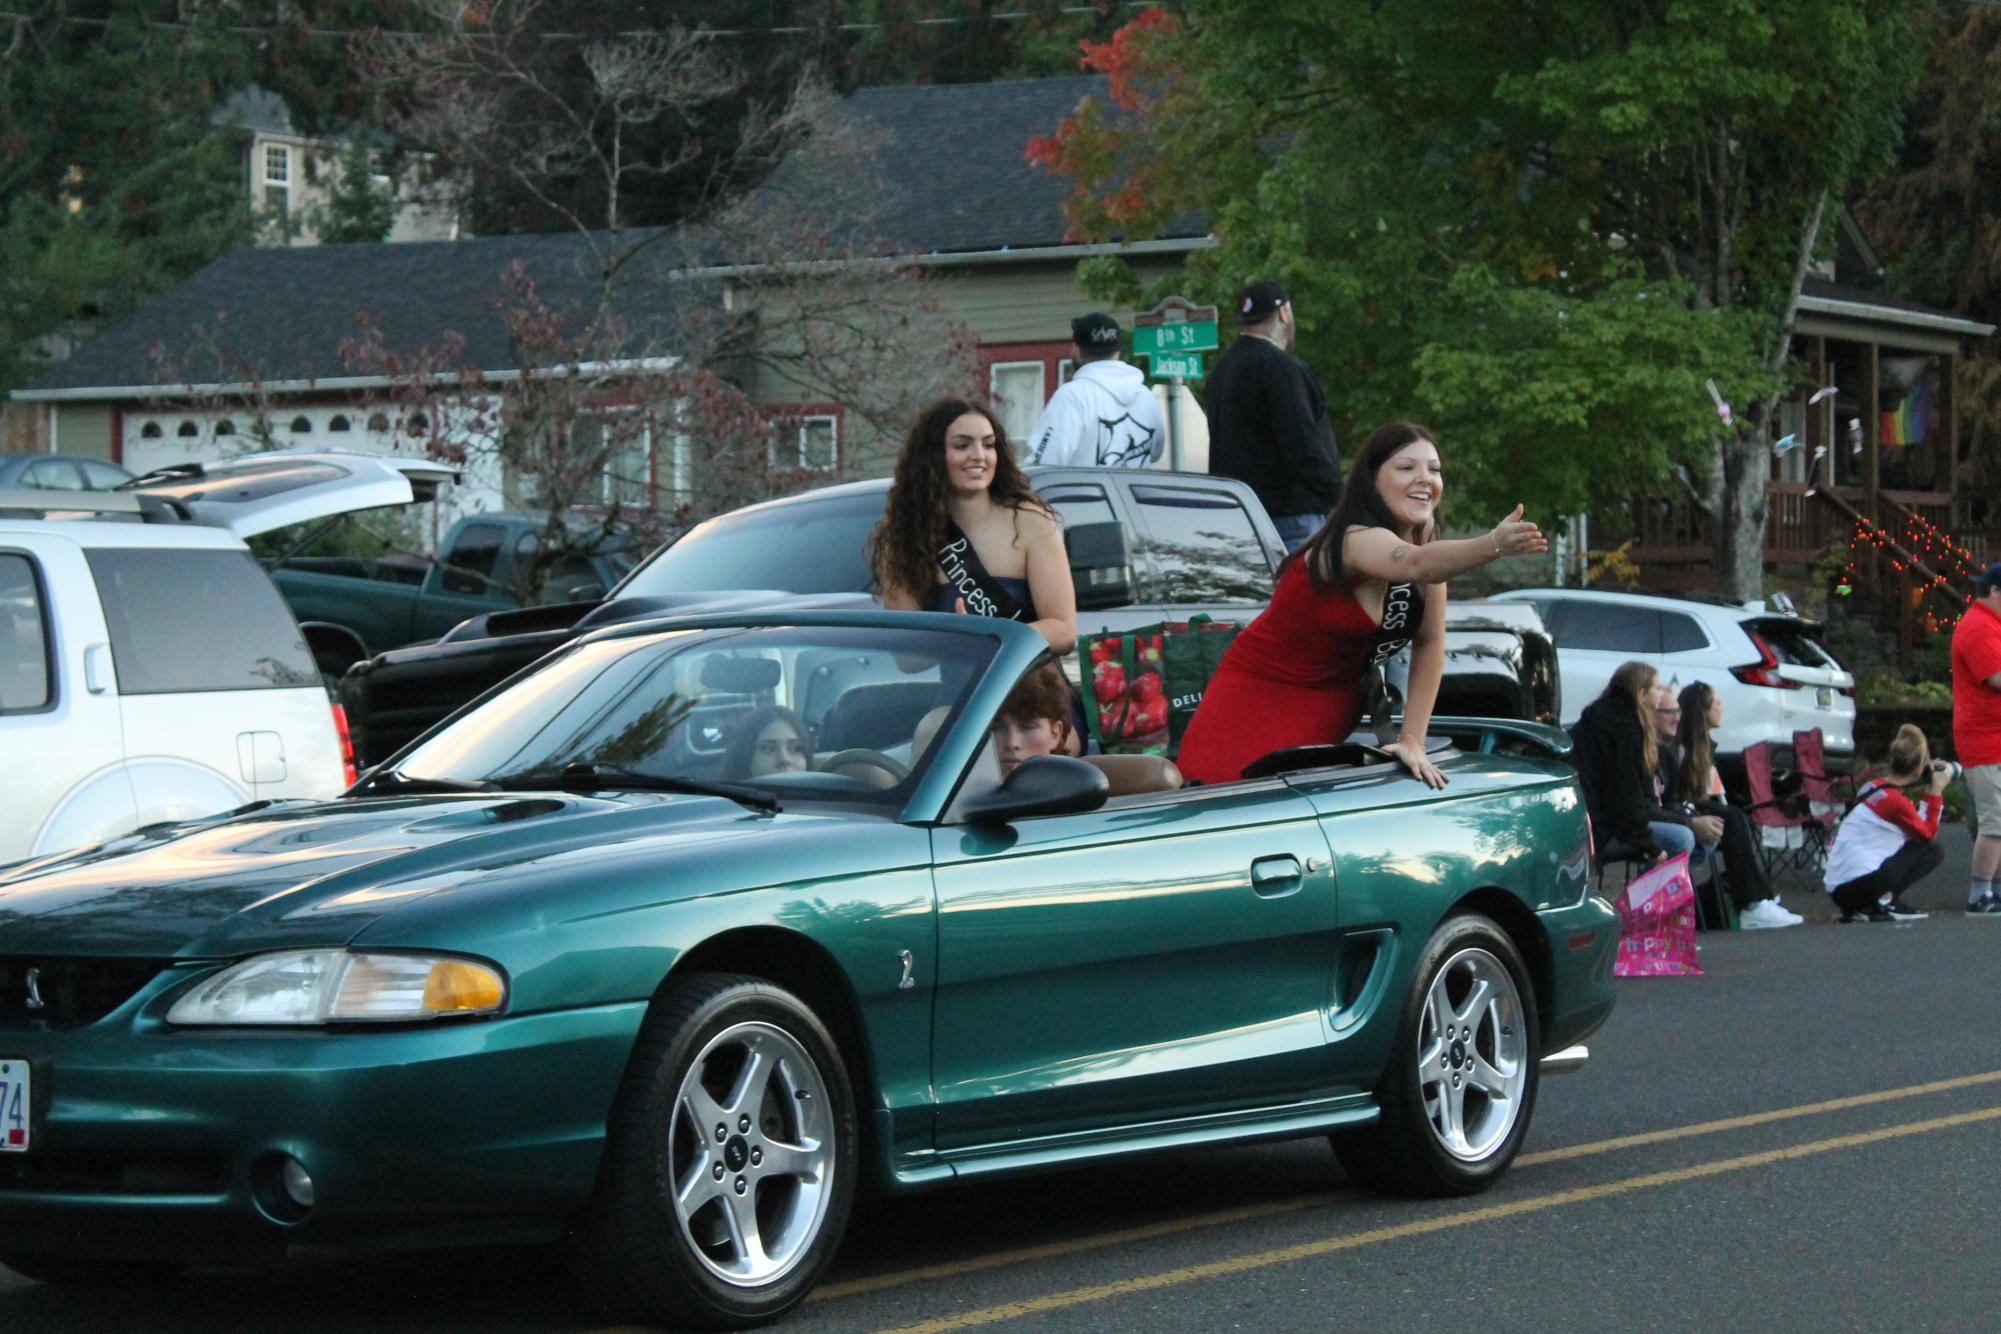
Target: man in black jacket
(1268,421)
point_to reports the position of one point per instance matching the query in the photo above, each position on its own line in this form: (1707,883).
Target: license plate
(1824,696)
(15,1104)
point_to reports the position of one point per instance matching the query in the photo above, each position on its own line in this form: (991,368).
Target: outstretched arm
(1380,554)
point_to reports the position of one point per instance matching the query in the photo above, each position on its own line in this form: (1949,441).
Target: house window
(151,431)
(187,430)
(809,442)
(278,178)
(418,424)
(339,422)
(302,425)
(378,422)
(1017,393)
(225,427)
(619,444)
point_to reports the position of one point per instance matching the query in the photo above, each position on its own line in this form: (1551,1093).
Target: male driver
(1268,418)
(1976,730)
(1106,415)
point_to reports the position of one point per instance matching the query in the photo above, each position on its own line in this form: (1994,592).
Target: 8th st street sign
(1175,325)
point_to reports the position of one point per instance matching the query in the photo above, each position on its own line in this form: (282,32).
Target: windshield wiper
(588,777)
(395,780)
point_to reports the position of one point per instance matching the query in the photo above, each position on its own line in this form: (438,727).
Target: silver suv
(1774,675)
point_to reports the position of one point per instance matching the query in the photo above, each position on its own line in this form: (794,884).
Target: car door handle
(1275,877)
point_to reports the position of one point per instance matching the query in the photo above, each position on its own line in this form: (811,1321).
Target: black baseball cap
(1988,579)
(1093,331)
(1259,299)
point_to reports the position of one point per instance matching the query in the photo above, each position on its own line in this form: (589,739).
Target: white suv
(1770,668)
(149,671)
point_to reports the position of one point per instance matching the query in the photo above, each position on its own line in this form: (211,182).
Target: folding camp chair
(1827,792)
(1782,822)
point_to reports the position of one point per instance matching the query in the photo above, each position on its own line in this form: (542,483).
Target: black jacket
(1268,428)
(1609,752)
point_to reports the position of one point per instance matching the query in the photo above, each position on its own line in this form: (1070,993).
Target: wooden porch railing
(1672,548)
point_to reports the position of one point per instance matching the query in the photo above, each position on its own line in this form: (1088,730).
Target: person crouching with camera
(1886,844)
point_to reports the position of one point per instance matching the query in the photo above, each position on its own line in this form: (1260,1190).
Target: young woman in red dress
(1371,581)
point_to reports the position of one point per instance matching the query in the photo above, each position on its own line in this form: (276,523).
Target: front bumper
(161,1143)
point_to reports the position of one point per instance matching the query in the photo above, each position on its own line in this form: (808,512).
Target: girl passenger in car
(963,532)
(1371,581)
(770,740)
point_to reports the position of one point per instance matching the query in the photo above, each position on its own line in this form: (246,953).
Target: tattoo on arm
(1396,556)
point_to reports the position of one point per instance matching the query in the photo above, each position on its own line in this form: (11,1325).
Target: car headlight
(342,986)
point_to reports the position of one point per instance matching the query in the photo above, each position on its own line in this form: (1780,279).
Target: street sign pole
(1173,336)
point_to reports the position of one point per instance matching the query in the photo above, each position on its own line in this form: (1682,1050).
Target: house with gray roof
(276,330)
(959,198)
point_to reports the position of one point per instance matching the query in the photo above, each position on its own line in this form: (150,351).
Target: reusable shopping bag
(1657,912)
(1144,684)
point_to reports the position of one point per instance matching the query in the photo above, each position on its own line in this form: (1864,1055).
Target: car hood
(315,873)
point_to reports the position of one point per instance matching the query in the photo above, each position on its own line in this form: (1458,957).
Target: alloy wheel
(1472,1054)
(752,1153)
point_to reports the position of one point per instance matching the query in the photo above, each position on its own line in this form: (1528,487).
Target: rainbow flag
(1910,421)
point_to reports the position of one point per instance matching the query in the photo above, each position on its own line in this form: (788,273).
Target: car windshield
(793,713)
(813,546)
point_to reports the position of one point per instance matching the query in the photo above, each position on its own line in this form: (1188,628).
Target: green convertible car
(580,966)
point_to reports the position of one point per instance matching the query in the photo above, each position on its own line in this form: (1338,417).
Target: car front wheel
(730,1160)
(1461,1083)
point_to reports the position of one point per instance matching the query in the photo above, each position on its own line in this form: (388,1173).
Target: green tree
(1542,225)
(115,184)
(361,201)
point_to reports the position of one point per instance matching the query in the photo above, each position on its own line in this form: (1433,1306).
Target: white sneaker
(1767,915)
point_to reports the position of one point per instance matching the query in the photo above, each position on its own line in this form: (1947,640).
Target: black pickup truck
(1144,546)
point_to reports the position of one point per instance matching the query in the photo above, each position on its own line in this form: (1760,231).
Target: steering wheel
(1294,758)
(861,756)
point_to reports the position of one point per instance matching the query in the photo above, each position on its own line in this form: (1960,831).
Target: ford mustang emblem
(35,1001)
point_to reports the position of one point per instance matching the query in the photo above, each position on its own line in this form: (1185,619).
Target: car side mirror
(1042,785)
(1101,565)
(588,591)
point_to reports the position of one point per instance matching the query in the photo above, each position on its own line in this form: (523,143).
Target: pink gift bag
(1657,910)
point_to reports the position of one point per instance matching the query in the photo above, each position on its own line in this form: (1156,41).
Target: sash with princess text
(965,573)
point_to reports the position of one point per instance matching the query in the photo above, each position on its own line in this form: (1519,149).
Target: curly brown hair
(903,549)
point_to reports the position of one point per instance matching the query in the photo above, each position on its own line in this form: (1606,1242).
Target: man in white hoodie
(1106,415)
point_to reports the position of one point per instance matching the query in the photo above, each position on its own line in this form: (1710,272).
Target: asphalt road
(1808,1137)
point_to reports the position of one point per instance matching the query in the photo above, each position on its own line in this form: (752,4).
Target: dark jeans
(1903,868)
(1743,871)
(1294,529)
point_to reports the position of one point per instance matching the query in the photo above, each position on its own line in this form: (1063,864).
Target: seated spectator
(1886,845)
(1615,749)
(1692,785)
(1035,719)
(770,740)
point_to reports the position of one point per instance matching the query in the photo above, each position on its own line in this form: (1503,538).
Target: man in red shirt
(1976,730)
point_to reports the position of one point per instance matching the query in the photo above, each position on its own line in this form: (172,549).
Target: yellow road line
(1756,1119)
(1167,1278)
(1218,1217)
(1051,1250)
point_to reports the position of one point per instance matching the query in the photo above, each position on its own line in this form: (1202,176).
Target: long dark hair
(903,549)
(742,744)
(1361,504)
(1698,748)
